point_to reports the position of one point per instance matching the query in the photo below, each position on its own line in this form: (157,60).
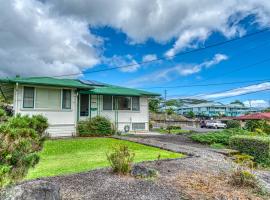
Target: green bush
(121,159)
(233,124)
(221,137)
(36,122)
(3,115)
(253,125)
(20,140)
(258,147)
(97,126)
(18,152)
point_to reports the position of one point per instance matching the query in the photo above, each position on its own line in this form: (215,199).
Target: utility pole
(165,106)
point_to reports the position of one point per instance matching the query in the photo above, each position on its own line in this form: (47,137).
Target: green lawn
(68,156)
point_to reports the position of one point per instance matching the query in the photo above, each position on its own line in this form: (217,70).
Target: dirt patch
(205,186)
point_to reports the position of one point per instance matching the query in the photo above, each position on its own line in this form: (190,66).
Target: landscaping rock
(143,172)
(34,190)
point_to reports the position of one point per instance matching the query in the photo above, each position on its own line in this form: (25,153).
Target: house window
(107,102)
(28,97)
(136,103)
(84,105)
(48,98)
(122,103)
(138,126)
(66,99)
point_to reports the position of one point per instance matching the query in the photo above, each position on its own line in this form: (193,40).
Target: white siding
(61,122)
(125,117)
(129,117)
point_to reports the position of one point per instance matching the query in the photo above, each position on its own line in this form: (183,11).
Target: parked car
(215,124)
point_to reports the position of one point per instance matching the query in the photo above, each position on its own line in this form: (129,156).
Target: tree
(169,111)
(238,102)
(154,104)
(190,114)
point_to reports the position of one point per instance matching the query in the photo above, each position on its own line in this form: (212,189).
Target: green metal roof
(116,90)
(46,81)
(87,87)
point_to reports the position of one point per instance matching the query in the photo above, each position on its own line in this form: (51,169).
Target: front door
(84,105)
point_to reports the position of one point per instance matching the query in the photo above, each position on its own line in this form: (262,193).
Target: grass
(173,131)
(218,146)
(67,156)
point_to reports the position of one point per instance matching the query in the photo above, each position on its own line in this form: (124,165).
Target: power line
(216,92)
(202,85)
(242,94)
(167,57)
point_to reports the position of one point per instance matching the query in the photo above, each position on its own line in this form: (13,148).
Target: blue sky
(240,54)
(57,38)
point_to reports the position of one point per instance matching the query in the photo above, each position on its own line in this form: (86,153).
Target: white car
(215,124)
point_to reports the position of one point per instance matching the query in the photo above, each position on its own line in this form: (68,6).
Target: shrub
(3,115)
(121,159)
(97,126)
(20,140)
(18,152)
(36,122)
(253,125)
(243,178)
(221,137)
(233,124)
(258,147)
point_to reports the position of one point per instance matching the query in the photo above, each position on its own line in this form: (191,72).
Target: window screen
(66,99)
(136,103)
(122,103)
(48,98)
(138,126)
(107,102)
(28,97)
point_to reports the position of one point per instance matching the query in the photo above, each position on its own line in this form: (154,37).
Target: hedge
(256,146)
(221,137)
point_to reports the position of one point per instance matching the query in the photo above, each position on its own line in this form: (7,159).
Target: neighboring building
(255,116)
(214,109)
(66,101)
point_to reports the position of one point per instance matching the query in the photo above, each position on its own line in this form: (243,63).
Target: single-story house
(66,101)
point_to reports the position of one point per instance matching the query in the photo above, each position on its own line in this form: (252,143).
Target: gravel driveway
(101,184)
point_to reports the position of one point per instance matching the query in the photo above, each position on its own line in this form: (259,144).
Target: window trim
(45,109)
(62,99)
(113,102)
(34,97)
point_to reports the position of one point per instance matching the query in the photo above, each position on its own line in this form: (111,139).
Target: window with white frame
(121,103)
(66,99)
(28,97)
(46,98)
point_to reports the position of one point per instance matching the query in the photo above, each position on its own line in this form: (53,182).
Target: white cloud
(48,37)
(257,103)
(179,70)
(127,62)
(149,57)
(33,41)
(237,91)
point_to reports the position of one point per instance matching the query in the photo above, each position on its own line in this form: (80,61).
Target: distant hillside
(181,102)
